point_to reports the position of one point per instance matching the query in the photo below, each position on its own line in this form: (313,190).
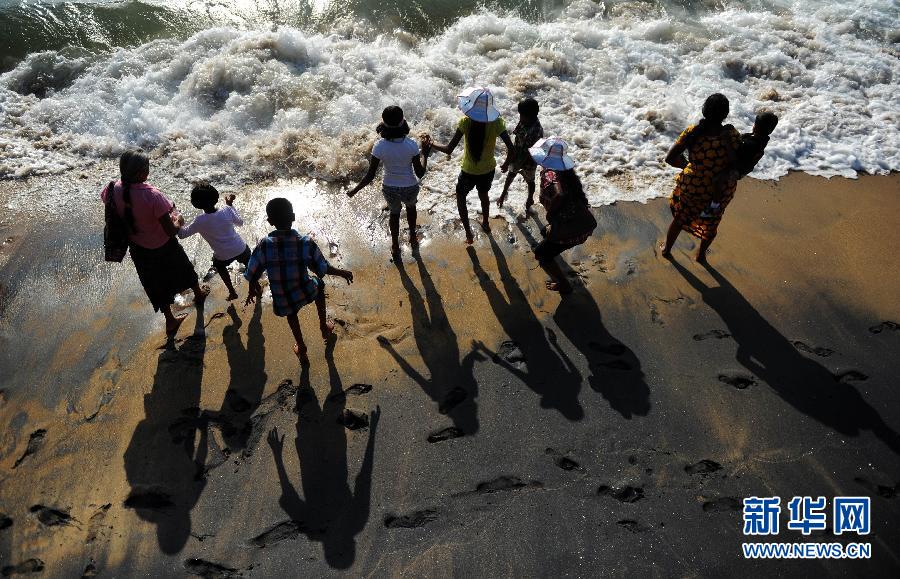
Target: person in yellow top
(481,127)
(708,176)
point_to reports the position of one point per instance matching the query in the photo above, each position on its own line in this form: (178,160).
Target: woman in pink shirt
(162,266)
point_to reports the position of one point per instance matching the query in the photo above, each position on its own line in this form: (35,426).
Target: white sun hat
(550,153)
(477,103)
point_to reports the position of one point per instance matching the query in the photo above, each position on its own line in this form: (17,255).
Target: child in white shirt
(216,226)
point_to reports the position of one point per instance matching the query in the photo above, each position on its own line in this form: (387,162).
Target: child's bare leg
(299,344)
(411,221)
(530,201)
(464,215)
(485,210)
(671,236)
(172,322)
(394,226)
(558,281)
(226,279)
(200,292)
(704,246)
(326,326)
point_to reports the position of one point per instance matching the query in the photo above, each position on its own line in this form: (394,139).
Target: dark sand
(517,435)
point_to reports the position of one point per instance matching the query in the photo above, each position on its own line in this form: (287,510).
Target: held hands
(229,199)
(425,145)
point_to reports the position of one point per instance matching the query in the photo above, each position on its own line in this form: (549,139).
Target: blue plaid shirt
(286,257)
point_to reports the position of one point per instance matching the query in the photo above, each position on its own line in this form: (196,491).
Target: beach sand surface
(466,421)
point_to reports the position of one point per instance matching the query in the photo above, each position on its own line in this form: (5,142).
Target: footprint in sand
(818,351)
(562,461)
(27,566)
(712,334)
(412,520)
(204,568)
(445,434)
(35,442)
(705,466)
(353,419)
(884,491)
(633,526)
(624,494)
(883,326)
(848,376)
(51,517)
(5,521)
(281,532)
(739,381)
(722,504)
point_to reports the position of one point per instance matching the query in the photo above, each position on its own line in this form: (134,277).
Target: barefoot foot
(232,296)
(172,327)
(327,330)
(662,250)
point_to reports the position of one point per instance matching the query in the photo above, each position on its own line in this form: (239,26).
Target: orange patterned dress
(692,200)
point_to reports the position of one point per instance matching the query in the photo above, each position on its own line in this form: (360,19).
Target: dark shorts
(547,250)
(466,182)
(242,258)
(163,272)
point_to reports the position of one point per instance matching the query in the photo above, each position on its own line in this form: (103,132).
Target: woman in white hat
(403,167)
(568,213)
(480,126)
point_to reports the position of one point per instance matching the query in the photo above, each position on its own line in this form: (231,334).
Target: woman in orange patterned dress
(707,181)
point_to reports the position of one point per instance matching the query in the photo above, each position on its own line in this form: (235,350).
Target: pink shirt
(147,205)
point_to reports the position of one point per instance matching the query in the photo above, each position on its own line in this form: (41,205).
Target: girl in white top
(216,226)
(404,165)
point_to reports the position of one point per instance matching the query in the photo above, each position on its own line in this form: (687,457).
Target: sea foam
(235,105)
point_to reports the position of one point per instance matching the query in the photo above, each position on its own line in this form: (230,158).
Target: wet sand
(467,421)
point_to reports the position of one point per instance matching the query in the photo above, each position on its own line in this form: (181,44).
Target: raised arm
(449,147)
(369,176)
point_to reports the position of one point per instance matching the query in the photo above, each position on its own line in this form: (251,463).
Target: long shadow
(248,378)
(543,366)
(164,462)
(330,511)
(801,382)
(615,369)
(451,382)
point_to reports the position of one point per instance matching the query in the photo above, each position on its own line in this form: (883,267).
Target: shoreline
(768,365)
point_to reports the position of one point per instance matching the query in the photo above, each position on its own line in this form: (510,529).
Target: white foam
(234,105)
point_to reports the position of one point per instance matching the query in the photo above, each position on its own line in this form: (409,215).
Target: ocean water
(240,91)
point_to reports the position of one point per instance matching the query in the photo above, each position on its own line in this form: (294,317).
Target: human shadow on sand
(616,372)
(329,511)
(247,365)
(801,382)
(451,381)
(164,462)
(533,354)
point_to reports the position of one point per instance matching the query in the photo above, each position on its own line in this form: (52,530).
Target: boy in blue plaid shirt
(286,257)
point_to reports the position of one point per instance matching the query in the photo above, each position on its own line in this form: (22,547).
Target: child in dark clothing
(527,132)
(753,145)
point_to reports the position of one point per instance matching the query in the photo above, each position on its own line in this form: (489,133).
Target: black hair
(571,184)
(475,139)
(529,108)
(132,163)
(393,125)
(715,109)
(280,212)
(766,121)
(204,196)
